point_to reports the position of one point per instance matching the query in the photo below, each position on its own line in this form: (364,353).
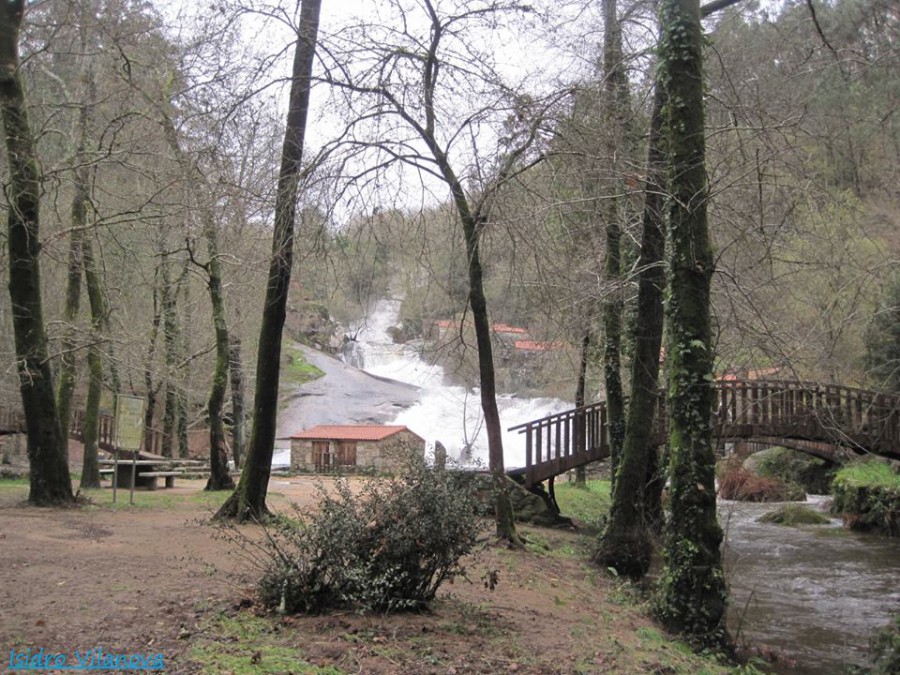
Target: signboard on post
(129,432)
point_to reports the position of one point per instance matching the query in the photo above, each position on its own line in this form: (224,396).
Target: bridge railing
(846,416)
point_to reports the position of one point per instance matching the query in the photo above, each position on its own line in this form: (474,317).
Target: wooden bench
(150,484)
(107,473)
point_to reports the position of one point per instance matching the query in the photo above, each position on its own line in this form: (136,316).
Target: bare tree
(249,498)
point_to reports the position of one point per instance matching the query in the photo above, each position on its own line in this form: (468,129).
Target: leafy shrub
(738,483)
(885,649)
(387,548)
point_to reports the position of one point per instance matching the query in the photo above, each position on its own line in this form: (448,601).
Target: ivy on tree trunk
(693,594)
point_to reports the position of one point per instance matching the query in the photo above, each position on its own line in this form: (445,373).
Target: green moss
(589,504)
(295,369)
(867,495)
(794,514)
(245,644)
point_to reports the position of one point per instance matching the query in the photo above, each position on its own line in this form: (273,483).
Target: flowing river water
(813,594)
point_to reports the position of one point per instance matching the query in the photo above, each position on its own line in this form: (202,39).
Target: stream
(812,594)
(815,594)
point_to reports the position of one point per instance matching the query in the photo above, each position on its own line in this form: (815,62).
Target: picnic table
(147,471)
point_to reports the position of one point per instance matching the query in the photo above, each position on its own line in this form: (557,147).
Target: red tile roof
(535,346)
(503,328)
(349,432)
(443,323)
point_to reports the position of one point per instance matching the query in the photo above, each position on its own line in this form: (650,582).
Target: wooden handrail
(850,417)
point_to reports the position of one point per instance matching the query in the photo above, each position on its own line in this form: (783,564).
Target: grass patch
(794,514)
(101,498)
(295,369)
(867,495)
(873,474)
(589,504)
(246,644)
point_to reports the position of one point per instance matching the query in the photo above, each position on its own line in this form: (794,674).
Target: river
(814,593)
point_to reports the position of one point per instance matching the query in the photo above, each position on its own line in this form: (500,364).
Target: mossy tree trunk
(626,544)
(90,473)
(249,498)
(219,478)
(693,594)
(50,483)
(238,414)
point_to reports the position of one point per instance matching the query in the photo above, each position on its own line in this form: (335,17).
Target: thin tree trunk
(580,472)
(90,472)
(152,390)
(50,483)
(249,499)
(219,478)
(626,544)
(169,299)
(693,593)
(68,360)
(236,370)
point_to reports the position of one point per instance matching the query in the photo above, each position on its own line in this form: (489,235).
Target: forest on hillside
(158,130)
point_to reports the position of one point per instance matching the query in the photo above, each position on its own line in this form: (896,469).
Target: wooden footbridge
(823,420)
(12,421)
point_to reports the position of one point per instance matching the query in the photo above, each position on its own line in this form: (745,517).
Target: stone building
(351,447)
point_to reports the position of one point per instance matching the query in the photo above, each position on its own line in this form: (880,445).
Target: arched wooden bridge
(823,420)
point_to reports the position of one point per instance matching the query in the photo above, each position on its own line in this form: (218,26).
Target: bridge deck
(811,417)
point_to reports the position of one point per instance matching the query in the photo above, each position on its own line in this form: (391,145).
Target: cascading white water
(446,413)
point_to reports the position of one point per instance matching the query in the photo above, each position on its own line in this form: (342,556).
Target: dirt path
(154,579)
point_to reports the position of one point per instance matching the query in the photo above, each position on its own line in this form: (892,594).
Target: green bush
(885,649)
(387,548)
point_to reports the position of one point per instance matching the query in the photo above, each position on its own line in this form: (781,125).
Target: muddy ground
(156,578)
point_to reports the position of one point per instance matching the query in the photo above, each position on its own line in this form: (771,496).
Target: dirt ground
(155,579)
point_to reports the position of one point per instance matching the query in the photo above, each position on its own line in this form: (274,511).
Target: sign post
(129,431)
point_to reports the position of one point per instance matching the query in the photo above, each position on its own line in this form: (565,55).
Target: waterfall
(450,414)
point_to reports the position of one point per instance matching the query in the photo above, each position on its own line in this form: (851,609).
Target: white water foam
(447,413)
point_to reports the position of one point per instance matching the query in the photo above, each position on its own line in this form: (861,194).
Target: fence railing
(843,416)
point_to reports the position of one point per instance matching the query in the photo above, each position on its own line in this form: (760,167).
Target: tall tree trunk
(615,103)
(50,483)
(626,544)
(238,414)
(249,499)
(506,524)
(693,594)
(68,360)
(90,472)
(219,478)
(151,388)
(168,300)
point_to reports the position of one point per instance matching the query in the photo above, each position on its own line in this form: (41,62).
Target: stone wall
(380,456)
